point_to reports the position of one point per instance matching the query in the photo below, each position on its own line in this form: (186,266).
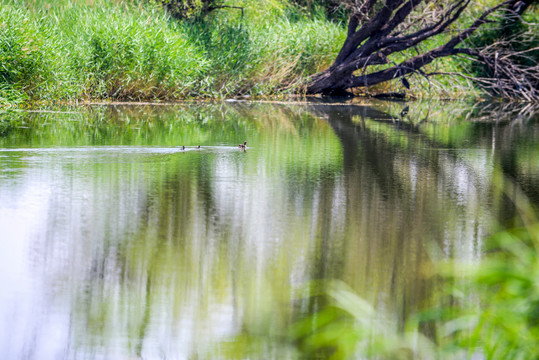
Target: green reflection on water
(158,252)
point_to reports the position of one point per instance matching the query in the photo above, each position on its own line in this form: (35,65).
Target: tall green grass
(23,59)
(97,52)
(131,50)
(63,50)
(117,54)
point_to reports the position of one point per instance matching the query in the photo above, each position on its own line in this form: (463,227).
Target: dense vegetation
(66,50)
(434,29)
(134,50)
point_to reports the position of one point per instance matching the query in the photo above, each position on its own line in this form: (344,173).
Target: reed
(67,51)
(23,57)
(131,50)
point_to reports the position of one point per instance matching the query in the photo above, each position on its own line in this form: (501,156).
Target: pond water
(117,244)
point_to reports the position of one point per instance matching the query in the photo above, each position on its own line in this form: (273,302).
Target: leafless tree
(379,28)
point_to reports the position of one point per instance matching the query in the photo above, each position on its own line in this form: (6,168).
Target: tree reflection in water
(143,250)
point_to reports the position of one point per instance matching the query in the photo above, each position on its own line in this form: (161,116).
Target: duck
(243,146)
(198,147)
(182,148)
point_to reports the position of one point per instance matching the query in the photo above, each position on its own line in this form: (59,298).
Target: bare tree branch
(372,42)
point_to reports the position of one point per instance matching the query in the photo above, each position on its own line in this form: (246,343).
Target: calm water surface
(115,244)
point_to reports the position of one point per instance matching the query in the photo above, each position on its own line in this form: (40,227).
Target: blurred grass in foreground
(490,309)
(497,312)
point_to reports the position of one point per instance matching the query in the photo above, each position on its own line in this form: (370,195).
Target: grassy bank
(68,51)
(126,50)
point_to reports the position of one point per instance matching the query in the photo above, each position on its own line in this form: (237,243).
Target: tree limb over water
(378,29)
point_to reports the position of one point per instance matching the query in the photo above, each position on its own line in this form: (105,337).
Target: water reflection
(116,244)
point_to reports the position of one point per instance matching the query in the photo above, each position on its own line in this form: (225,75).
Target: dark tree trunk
(373,36)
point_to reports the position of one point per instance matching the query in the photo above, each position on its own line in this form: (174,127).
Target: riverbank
(64,51)
(118,51)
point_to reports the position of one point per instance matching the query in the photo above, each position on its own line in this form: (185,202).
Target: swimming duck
(198,147)
(243,146)
(182,148)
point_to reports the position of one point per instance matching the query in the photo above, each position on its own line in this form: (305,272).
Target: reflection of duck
(243,146)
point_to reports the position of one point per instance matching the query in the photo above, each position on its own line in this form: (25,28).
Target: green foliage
(493,311)
(499,297)
(189,9)
(134,51)
(96,52)
(23,67)
(229,50)
(348,327)
(498,315)
(126,56)
(518,35)
(291,51)
(333,10)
